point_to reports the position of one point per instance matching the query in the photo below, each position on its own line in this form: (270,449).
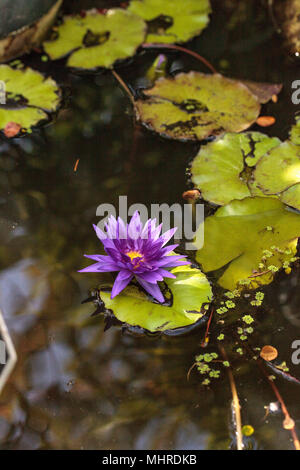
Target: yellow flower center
(134,254)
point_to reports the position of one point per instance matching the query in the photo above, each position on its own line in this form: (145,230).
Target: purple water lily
(136,251)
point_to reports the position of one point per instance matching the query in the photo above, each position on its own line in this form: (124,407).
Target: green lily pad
(278,172)
(248,241)
(172,20)
(30,97)
(194,106)
(97,39)
(190,290)
(222,168)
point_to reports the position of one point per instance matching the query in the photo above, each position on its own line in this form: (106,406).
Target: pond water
(76,386)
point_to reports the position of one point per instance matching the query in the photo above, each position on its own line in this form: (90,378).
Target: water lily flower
(136,251)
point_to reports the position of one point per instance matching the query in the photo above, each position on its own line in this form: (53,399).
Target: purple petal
(135,226)
(151,276)
(168,248)
(171,261)
(121,229)
(100,234)
(102,258)
(152,289)
(122,280)
(111,227)
(165,273)
(168,235)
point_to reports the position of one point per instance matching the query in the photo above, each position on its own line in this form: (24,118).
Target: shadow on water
(74,385)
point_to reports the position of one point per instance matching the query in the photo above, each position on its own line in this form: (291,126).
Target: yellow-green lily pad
(190,290)
(249,240)
(194,106)
(96,39)
(172,21)
(30,97)
(222,169)
(278,172)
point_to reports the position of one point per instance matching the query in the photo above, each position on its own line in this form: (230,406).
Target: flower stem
(123,85)
(181,49)
(235,404)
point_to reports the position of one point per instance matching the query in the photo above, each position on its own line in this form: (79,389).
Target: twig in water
(205,339)
(235,404)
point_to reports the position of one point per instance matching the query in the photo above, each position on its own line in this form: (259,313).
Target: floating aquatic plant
(187,295)
(96,39)
(235,166)
(30,98)
(222,168)
(238,239)
(172,20)
(194,106)
(278,172)
(136,251)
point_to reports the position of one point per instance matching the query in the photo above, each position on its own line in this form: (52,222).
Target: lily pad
(278,172)
(172,20)
(222,168)
(190,290)
(30,97)
(194,106)
(96,39)
(248,241)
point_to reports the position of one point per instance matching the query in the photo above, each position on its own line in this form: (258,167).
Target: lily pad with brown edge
(278,172)
(172,21)
(248,241)
(96,39)
(188,294)
(29,97)
(222,169)
(263,91)
(194,106)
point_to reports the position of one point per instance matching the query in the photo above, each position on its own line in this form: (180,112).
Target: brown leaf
(11,129)
(265,121)
(268,353)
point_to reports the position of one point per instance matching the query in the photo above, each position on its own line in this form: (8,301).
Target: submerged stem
(123,85)
(287,416)
(235,403)
(181,49)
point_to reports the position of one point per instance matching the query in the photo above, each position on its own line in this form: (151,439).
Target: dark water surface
(74,386)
